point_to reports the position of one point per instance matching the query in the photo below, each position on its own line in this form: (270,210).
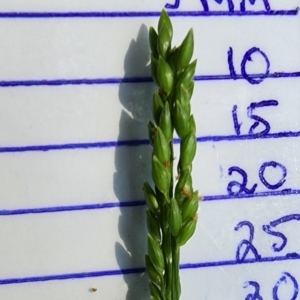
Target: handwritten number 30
(285,278)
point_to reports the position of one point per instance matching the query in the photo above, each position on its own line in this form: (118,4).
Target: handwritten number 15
(257,119)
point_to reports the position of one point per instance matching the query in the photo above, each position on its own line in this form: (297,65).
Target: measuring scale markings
(249,249)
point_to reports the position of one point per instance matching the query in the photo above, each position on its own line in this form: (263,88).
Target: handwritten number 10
(252,79)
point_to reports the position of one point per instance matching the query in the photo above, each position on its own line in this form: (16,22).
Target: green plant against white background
(171,209)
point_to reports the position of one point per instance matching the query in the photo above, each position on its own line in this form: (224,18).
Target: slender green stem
(175,265)
(167,251)
(169,271)
(175,249)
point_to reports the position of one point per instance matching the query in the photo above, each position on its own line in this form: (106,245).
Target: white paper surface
(75,99)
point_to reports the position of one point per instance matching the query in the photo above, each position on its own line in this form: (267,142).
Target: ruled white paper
(75,98)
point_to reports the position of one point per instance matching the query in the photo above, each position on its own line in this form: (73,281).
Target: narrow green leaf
(164,41)
(186,232)
(187,150)
(186,50)
(154,65)
(155,254)
(152,272)
(157,107)
(172,58)
(165,122)
(153,225)
(184,186)
(187,76)
(151,131)
(164,75)
(150,198)
(184,93)
(192,125)
(190,207)
(161,147)
(180,120)
(175,219)
(153,41)
(155,291)
(161,175)
(165,20)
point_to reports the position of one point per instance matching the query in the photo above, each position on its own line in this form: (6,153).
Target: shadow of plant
(132,164)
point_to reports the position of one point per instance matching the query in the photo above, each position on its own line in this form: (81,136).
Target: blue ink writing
(252,2)
(248,243)
(236,124)
(206,8)
(258,120)
(275,246)
(229,3)
(256,294)
(173,6)
(273,224)
(274,165)
(242,186)
(257,79)
(284,279)
(248,57)
(230,64)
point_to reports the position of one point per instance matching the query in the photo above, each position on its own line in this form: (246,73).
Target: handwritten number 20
(242,186)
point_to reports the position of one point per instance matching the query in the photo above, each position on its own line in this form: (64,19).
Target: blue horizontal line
(71,276)
(74,146)
(116,80)
(142,142)
(83,81)
(244,137)
(139,14)
(274,75)
(292,256)
(141,270)
(283,192)
(56,209)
